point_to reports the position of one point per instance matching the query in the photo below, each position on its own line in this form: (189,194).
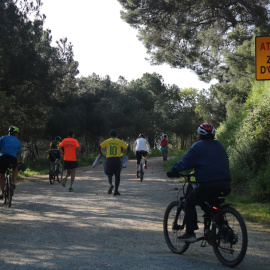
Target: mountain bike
(224,227)
(55,172)
(8,191)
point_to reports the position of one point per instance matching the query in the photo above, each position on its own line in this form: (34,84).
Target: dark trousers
(204,192)
(113,167)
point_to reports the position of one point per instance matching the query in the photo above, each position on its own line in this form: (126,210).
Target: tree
(192,33)
(32,73)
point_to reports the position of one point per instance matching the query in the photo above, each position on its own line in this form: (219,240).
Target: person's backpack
(54,144)
(163,142)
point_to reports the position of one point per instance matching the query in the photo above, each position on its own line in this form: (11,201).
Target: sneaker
(145,167)
(110,189)
(70,189)
(187,237)
(2,195)
(64,181)
(137,176)
(116,193)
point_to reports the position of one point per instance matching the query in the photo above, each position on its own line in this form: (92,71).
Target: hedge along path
(48,227)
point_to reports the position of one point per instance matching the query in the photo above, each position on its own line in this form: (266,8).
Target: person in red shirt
(71,149)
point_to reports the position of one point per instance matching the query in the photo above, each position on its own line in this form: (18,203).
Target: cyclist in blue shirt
(11,149)
(210,162)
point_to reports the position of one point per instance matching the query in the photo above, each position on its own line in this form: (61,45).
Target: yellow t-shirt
(113,147)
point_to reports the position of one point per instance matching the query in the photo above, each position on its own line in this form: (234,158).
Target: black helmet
(141,136)
(12,130)
(58,138)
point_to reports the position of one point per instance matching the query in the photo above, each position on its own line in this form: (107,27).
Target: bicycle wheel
(52,174)
(60,174)
(174,227)
(230,239)
(141,172)
(8,191)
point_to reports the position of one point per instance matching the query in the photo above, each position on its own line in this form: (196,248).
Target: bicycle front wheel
(230,238)
(173,226)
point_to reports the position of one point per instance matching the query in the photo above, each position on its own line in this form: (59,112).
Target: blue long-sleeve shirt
(209,160)
(10,145)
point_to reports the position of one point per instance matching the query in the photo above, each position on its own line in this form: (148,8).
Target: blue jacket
(10,145)
(209,160)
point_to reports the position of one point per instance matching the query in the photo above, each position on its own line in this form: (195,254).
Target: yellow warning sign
(262,58)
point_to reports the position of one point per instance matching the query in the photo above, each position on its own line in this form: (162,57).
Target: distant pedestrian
(164,147)
(113,147)
(71,149)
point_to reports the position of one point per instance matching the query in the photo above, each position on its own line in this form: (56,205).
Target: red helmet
(206,129)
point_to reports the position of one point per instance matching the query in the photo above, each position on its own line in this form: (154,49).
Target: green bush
(246,137)
(260,184)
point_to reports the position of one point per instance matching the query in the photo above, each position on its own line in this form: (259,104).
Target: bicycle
(224,227)
(55,172)
(9,190)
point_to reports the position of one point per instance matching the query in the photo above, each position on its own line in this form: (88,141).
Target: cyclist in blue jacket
(210,162)
(11,149)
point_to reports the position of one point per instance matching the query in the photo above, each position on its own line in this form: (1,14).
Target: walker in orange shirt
(71,150)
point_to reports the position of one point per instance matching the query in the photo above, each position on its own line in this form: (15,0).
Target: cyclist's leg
(14,175)
(145,159)
(190,211)
(58,156)
(2,183)
(139,157)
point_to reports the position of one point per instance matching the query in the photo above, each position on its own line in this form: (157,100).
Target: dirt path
(49,228)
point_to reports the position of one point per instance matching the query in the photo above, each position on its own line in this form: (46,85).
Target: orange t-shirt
(70,145)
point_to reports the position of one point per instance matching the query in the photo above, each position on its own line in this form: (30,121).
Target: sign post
(262,58)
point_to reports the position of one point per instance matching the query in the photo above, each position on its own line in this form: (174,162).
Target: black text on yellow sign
(262,58)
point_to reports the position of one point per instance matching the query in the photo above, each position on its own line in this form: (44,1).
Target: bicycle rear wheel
(60,174)
(8,191)
(52,174)
(173,226)
(230,239)
(141,171)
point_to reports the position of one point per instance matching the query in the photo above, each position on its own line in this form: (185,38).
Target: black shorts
(113,166)
(69,165)
(53,155)
(6,161)
(139,155)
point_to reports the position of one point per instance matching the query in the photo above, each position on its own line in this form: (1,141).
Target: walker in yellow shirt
(113,147)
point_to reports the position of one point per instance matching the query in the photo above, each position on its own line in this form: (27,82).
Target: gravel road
(48,227)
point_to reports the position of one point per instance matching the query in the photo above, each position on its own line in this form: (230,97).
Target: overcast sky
(104,44)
